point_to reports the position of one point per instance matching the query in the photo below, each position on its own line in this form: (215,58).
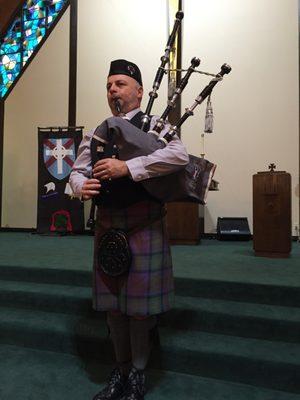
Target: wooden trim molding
(1,153)
(73,63)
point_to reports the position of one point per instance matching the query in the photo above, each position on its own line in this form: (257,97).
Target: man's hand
(90,188)
(110,168)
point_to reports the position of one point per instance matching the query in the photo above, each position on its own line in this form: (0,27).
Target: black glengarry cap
(124,67)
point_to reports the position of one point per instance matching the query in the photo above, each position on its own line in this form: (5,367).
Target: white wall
(132,29)
(39,99)
(256,107)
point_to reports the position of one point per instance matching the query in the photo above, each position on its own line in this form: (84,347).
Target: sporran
(114,253)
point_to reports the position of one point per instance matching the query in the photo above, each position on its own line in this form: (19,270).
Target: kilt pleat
(148,289)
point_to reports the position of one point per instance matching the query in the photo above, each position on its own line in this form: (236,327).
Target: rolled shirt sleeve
(82,167)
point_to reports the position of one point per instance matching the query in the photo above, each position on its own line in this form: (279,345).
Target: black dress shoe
(115,388)
(135,388)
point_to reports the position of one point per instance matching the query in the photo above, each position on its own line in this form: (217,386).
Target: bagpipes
(119,138)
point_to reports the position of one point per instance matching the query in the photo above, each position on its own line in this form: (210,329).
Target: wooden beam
(1,153)
(8,11)
(73,63)
(299,118)
(176,62)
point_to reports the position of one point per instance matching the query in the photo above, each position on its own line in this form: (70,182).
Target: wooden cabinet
(272,214)
(183,223)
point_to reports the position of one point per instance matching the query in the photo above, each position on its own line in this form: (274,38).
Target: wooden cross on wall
(272,167)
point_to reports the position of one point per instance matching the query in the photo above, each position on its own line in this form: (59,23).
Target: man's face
(124,89)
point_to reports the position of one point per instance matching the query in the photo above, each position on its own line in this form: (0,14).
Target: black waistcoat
(120,192)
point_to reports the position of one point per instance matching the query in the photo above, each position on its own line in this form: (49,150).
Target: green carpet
(28,374)
(235,322)
(212,259)
(236,262)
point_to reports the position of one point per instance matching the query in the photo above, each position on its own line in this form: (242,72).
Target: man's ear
(140,92)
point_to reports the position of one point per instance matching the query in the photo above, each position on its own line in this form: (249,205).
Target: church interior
(234,330)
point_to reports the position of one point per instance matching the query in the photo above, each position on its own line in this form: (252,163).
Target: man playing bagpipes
(132,273)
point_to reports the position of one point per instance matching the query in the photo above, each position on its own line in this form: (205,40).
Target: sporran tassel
(209,117)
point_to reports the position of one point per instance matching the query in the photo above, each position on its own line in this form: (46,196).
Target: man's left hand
(110,168)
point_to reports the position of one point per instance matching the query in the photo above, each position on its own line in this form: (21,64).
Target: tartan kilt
(148,289)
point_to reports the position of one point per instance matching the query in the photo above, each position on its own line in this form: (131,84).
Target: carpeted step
(46,297)
(40,375)
(230,270)
(46,258)
(67,333)
(252,292)
(58,275)
(235,318)
(216,316)
(217,270)
(252,361)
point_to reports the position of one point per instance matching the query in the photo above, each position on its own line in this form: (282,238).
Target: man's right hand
(90,188)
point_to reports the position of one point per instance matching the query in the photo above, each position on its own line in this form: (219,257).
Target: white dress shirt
(160,162)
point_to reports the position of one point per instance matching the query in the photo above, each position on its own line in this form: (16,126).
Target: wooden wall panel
(7,9)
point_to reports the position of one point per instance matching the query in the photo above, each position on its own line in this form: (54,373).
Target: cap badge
(131,69)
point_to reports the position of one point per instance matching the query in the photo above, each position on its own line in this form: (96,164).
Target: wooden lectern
(272,235)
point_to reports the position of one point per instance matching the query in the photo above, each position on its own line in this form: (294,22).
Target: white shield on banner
(59,156)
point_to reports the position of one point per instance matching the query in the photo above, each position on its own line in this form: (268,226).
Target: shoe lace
(115,377)
(136,383)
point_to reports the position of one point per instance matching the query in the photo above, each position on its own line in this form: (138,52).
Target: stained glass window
(23,36)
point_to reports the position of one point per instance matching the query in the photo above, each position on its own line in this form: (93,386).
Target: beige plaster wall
(256,106)
(39,99)
(133,29)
